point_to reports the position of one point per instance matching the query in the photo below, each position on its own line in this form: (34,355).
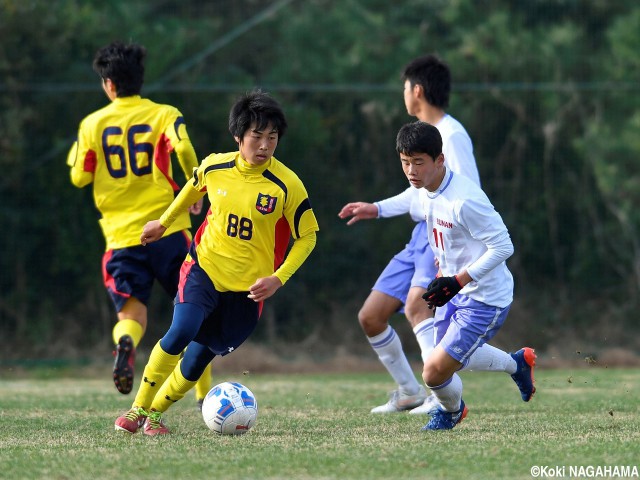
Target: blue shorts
(229,317)
(130,271)
(414,266)
(463,325)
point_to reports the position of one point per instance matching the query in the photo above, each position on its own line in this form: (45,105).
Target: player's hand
(152,232)
(358,211)
(264,288)
(196,208)
(441,290)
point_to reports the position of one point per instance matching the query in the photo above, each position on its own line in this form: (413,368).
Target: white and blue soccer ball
(230,408)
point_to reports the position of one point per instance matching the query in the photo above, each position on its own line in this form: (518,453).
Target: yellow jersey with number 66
(124,149)
(235,245)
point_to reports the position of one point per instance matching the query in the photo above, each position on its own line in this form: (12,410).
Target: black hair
(123,65)
(433,75)
(257,108)
(419,137)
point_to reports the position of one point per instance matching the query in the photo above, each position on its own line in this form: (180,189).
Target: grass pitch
(319,427)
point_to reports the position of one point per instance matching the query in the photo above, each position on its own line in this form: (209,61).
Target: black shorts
(130,271)
(230,317)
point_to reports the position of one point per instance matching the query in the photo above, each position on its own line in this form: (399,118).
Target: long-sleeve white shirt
(466,232)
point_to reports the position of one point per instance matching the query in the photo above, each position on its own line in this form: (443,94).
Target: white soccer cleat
(399,402)
(429,407)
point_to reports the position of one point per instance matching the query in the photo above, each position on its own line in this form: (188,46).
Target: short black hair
(259,108)
(123,65)
(419,137)
(433,75)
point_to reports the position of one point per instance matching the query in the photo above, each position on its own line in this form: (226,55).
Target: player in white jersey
(427,83)
(474,288)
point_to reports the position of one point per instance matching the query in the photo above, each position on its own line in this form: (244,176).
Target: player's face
(410,99)
(257,146)
(422,171)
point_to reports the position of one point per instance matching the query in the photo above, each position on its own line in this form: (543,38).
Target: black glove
(441,290)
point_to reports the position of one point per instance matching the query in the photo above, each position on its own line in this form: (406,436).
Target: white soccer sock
(490,359)
(424,335)
(389,349)
(449,393)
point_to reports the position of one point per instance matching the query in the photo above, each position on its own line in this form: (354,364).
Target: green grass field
(319,427)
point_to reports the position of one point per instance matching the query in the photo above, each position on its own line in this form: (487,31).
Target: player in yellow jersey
(124,151)
(231,268)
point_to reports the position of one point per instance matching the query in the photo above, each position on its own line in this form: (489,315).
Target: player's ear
(439,159)
(418,91)
(237,139)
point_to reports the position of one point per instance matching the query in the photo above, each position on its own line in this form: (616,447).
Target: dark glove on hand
(441,290)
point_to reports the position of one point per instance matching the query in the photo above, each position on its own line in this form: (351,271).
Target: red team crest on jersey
(266,203)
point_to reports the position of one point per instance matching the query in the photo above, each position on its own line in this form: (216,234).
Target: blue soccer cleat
(443,420)
(525,360)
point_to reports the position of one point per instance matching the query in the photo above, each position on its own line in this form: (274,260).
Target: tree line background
(548,90)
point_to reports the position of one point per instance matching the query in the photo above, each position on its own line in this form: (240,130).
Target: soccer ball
(230,408)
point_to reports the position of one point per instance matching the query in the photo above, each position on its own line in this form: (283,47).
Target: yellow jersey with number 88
(235,244)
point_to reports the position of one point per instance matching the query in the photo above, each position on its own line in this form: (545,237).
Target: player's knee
(432,375)
(371,323)
(416,310)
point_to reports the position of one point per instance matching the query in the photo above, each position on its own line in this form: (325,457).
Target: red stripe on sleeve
(282,236)
(90,161)
(163,159)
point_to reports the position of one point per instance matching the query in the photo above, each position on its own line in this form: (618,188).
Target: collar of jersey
(125,100)
(246,168)
(448,175)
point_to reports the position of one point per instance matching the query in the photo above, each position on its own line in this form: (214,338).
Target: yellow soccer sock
(128,327)
(203,384)
(172,390)
(158,368)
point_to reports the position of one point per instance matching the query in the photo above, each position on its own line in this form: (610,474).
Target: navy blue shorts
(131,271)
(230,317)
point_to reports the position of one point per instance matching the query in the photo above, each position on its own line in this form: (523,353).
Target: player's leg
(468,325)
(221,333)
(129,282)
(196,298)
(127,333)
(388,296)
(416,310)
(203,386)
(163,359)
(439,375)
(167,256)
(519,365)
(421,320)
(183,377)
(373,317)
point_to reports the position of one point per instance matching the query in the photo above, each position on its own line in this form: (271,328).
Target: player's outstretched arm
(358,211)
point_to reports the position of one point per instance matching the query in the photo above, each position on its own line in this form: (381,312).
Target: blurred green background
(548,90)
